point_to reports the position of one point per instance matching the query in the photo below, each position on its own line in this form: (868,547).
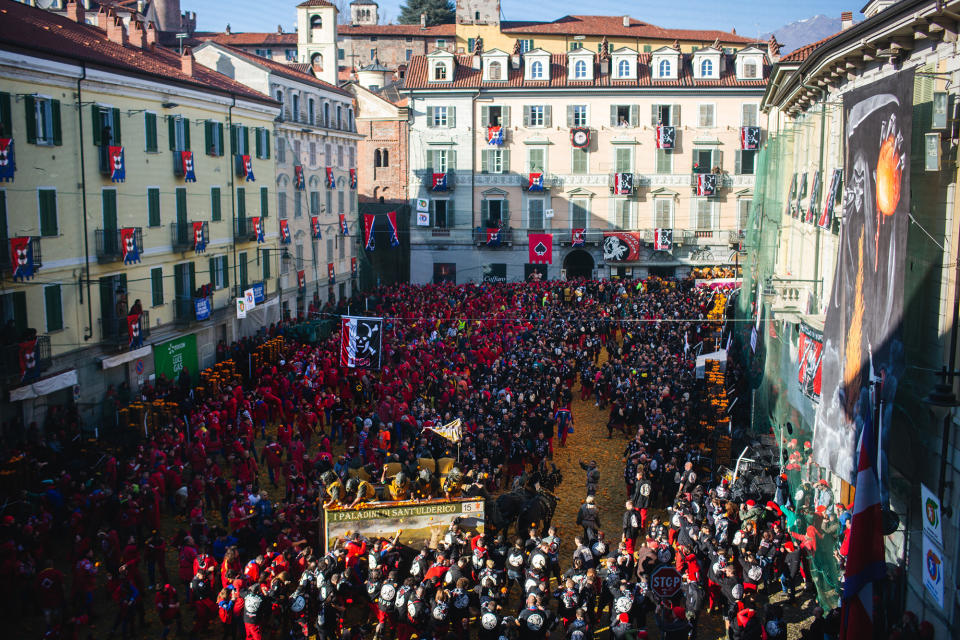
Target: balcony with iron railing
(504,237)
(182,235)
(109,243)
(116,331)
(11,373)
(244,231)
(6,262)
(185,309)
(426,179)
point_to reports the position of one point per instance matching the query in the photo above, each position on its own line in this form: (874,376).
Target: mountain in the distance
(803,32)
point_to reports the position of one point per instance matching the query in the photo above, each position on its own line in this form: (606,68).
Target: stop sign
(665,582)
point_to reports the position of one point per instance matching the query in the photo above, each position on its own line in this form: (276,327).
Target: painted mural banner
(863,328)
(421,522)
(809,360)
(169,358)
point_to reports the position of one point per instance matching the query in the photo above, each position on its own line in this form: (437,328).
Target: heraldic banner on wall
(863,327)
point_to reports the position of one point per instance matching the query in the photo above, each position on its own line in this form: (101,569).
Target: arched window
(316,22)
(664,69)
(580,69)
(316,61)
(706,68)
(326,114)
(384,158)
(495,71)
(376,158)
(312,111)
(750,69)
(280,95)
(623,69)
(439,71)
(536,70)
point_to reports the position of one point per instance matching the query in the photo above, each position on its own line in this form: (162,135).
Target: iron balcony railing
(11,371)
(116,331)
(182,236)
(244,231)
(109,243)
(6,262)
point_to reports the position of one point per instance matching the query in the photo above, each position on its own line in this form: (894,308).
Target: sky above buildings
(749,17)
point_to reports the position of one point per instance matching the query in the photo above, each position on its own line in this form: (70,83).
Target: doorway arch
(578,264)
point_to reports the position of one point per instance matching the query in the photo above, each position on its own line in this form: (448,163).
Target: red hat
(822,509)
(751,503)
(624,617)
(773,507)
(679,612)
(824,482)
(806,445)
(783,475)
(238,584)
(789,546)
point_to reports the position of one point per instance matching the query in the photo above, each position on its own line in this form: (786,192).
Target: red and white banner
(577,237)
(301,280)
(368,221)
(809,359)
(360,342)
(663,239)
(541,248)
(621,246)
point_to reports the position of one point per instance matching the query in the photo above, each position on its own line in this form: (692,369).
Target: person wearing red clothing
(167,604)
(356,549)
(188,553)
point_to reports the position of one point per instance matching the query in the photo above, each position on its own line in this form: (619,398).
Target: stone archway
(578,264)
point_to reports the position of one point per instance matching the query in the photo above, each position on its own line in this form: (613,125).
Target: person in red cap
(622,628)
(167,603)
(672,621)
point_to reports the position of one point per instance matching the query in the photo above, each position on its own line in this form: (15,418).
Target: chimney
(115,30)
(626,21)
(279,28)
(75,11)
(151,34)
(186,61)
(227,30)
(846,20)
(423,21)
(102,18)
(138,34)
(141,6)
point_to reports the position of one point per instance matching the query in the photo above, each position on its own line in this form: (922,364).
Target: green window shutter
(241,202)
(452,160)
(30,110)
(55,121)
(266,144)
(156,285)
(526,115)
(505,212)
(242,265)
(256,140)
(429,116)
(150,131)
(634,115)
(208,137)
(569,115)
(20,311)
(484,161)
(484,116)
(265,201)
(246,140)
(451,117)
(613,115)
(6,123)
(116,128)
(675,115)
(265,264)
(215,214)
(220,137)
(233,140)
(225,269)
(192,271)
(505,155)
(547,116)
(172,132)
(97,127)
(484,211)
(48,212)
(186,134)
(153,207)
(181,204)
(211,269)
(53,305)
(505,117)
(654,114)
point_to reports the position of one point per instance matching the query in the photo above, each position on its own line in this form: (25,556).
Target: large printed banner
(862,332)
(622,246)
(360,342)
(422,523)
(809,359)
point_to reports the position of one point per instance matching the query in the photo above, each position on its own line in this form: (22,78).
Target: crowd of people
(184,521)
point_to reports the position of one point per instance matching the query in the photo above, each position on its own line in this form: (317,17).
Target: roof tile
(613,26)
(801,54)
(298,72)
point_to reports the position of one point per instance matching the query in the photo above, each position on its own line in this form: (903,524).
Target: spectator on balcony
(136,309)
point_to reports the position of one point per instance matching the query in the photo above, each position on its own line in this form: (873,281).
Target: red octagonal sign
(665,582)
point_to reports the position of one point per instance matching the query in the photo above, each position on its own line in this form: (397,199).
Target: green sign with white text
(169,358)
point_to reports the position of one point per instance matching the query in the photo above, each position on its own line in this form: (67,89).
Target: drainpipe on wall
(233,201)
(83,199)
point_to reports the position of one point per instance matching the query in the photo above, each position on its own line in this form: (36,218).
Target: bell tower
(478,12)
(317,38)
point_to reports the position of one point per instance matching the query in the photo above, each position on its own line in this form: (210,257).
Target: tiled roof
(801,54)
(396,30)
(287,70)
(249,39)
(42,33)
(613,26)
(316,3)
(466,77)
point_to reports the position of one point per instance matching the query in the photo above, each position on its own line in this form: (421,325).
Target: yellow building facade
(180,243)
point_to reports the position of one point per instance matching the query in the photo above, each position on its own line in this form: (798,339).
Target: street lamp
(942,401)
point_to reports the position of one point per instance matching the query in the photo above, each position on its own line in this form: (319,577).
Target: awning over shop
(129,356)
(45,386)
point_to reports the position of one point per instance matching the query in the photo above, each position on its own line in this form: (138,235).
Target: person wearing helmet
(336,492)
(365,492)
(399,487)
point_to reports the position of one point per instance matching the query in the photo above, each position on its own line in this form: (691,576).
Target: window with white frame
(580,69)
(579,161)
(526,44)
(221,267)
(439,117)
(743,212)
(663,213)
(439,71)
(441,211)
(703,213)
(622,218)
(495,161)
(281,150)
(579,209)
(535,207)
(706,115)
(579,118)
(749,114)
(623,69)
(536,70)
(299,253)
(750,69)
(623,160)
(537,160)
(281,204)
(664,69)
(494,70)
(536,115)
